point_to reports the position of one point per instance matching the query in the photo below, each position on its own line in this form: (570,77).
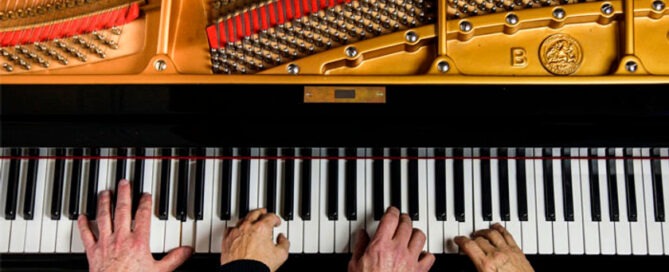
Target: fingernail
(124,182)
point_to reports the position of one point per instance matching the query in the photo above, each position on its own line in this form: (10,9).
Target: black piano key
(549,195)
(226,181)
(182,185)
(612,185)
(31,183)
(165,173)
(270,178)
(351,184)
(593,169)
(198,208)
(440,184)
(567,193)
(629,186)
(378,181)
(521,184)
(57,189)
(396,178)
(486,195)
(13,185)
(458,185)
(503,173)
(138,179)
(92,194)
(244,182)
(288,183)
(333,183)
(413,184)
(658,191)
(305,179)
(75,184)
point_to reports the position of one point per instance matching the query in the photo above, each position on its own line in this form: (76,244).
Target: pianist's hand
(494,250)
(396,246)
(252,240)
(121,248)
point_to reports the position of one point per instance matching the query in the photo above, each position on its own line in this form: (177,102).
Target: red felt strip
(272,15)
(279,8)
(231,32)
(289,10)
(212,36)
(247,24)
(238,25)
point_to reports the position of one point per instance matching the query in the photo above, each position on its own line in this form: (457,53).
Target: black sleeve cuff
(245,266)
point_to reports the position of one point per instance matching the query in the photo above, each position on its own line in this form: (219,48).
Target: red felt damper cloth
(68,28)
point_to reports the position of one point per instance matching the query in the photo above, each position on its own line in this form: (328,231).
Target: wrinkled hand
(396,246)
(494,250)
(120,248)
(252,240)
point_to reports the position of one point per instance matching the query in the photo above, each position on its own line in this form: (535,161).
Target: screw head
(658,5)
(443,66)
(559,13)
(293,69)
(351,51)
(631,66)
(607,9)
(465,26)
(512,19)
(411,36)
(160,65)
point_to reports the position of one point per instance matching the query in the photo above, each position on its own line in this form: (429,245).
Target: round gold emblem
(561,54)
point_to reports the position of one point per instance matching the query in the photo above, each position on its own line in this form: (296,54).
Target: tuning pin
(8,67)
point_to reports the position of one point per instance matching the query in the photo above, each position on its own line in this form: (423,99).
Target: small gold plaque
(344,94)
(561,54)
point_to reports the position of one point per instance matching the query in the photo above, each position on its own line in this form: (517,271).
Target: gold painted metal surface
(609,42)
(344,94)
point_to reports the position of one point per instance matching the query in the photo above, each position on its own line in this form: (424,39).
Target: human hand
(396,246)
(252,240)
(494,249)
(121,248)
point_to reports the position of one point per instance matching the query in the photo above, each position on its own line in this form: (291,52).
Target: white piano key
(5,225)
(34,227)
(514,224)
(590,227)
(311,236)
(218,226)
(466,228)
(529,228)
(256,190)
(188,226)
(203,231)
(386,179)
(152,177)
(279,198)
(234,192)
(17,236)
(638,227)
(359,221)
(342,225)
(544,227)
(560,227)
(479,223)
(64,232)
(576,243)
(325,226)
(622,227)
(172,224)
(262,179)
(607,235)
(370,224)
(435,228)
(653,229)
(494,188)
(664,153)
(77,243)
(404,183)
(451,225)
(296,226)
(423,198)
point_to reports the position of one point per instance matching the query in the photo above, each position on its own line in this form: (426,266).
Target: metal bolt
(411,37)
(465,26)
(160,65)
(658,5)
(512,19)
(631,66)
(607,9)
(293,69)
(559,13)
(351,51)
(443,66)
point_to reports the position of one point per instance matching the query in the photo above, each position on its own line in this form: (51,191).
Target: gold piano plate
(337,42)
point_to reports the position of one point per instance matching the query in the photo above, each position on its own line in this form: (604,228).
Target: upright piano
(546,116)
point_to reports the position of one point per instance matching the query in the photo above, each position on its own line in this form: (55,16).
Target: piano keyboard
(553,200)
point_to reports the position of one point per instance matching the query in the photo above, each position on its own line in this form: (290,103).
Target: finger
(175,258)
(103,215)
(471,248)
(253,215)
(485,245)
(282,242)
(122,214)
(404,229)
(425,261)
(417,241)
(270,219)
(388,224)
(87,236)
(505,233)
(143,217)
(361,242)
(493,236)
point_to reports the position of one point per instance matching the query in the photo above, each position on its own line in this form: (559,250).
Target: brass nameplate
(344,94)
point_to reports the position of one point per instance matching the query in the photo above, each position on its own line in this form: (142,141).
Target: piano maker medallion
(561,54)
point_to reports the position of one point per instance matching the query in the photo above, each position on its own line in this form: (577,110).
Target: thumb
(175,258)
(361,242)
(282,242)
